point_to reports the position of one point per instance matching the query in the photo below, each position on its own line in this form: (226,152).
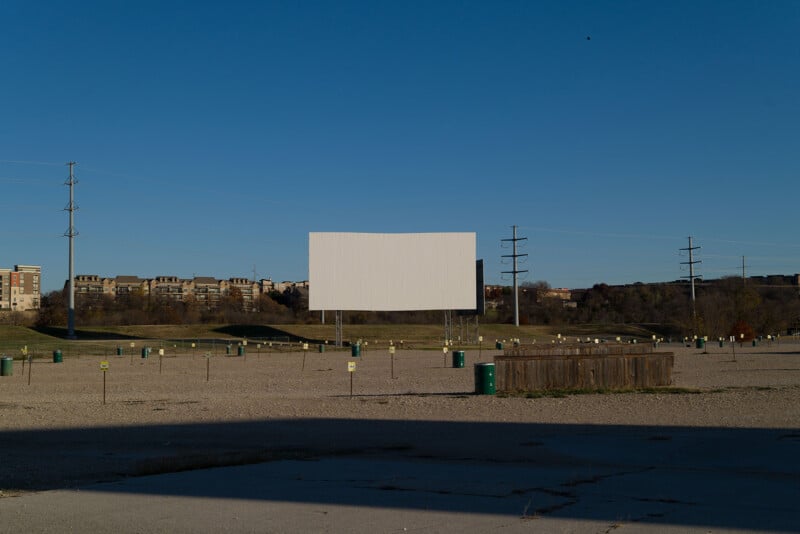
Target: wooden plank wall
(582,367)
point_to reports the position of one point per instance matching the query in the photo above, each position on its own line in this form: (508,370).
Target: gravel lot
(162,414)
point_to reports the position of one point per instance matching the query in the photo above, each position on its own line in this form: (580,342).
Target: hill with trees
(722,307)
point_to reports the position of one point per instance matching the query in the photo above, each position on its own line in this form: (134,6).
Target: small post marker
(351,368)
(391,354)
(208,365)
(104,369)
(24,351)
(160,357)
(258,351)
(480,347)
(444,356)
(132,346)
(305,351)
(30,368)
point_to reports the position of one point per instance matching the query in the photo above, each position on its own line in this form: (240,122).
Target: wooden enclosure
(582,366)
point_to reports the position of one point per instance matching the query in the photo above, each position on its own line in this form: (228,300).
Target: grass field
(216,338)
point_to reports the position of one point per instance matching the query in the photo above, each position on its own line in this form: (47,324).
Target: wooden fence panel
(582,367)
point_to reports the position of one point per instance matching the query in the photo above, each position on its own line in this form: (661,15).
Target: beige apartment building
(20,289)
(206,291)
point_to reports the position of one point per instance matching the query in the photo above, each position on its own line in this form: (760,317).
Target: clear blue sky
(212,137)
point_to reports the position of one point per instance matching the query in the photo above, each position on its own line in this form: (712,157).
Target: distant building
(558,293)
(20,289)
(205,291)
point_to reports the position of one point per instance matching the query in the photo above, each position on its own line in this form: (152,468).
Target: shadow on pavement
(718,477)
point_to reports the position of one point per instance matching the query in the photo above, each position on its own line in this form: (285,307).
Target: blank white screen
(391,272)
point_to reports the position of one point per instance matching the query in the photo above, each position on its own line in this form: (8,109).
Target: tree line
(728,306)
(723,307)
(287,307)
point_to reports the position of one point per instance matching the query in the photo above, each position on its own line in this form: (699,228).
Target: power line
(23,162)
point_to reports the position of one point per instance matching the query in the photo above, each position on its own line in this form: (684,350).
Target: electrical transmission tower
(71,233)
(691,277)
(514,270)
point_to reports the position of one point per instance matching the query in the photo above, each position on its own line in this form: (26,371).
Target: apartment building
(206,291)
(20,289)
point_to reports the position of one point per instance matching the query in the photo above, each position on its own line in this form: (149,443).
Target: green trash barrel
(321,347)
(240,351)
(484,379)
(755,343)
(355,350)
(700,343)
(145,352)
(6,366)
(498,346)
(721,344)
(119,351)
(458,359)
(57,357)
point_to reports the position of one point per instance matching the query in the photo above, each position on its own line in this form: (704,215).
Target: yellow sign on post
(351,367)
(104,368)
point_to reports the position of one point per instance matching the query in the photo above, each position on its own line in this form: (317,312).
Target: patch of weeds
(669,391)
(562,393)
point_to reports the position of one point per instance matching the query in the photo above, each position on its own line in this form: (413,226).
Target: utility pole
(744,279)
(514,270)
(71,233)
(691,277)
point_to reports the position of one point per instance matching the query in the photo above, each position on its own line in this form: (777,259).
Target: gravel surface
(58,431)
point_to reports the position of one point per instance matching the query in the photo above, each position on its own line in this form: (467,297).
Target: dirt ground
(185,410)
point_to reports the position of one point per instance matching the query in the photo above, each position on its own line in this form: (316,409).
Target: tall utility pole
(744,279)
(514,270)
(71,233)
(691,277)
